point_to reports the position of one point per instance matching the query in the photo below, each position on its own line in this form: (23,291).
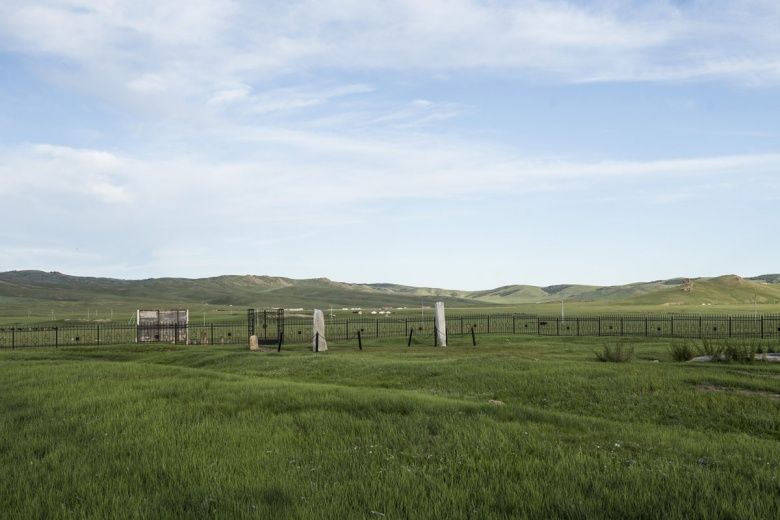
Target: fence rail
(115,334)
(668,326)
(270,326)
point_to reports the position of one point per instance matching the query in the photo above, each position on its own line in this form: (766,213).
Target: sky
(463,144)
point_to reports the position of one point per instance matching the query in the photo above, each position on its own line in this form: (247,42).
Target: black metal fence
(665,326)
(270,326)
(115,334)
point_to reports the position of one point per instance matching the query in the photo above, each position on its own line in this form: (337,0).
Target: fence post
(557,326)
(621,327)
(513,324)
(97,330)
(317,342)
(488,324)
(211,326)
(762,326)
(346,329)
(473,338)
(435,337)
(250,322)
(672,317)
(176,331)
(377,327)
(701,330)
(729,325)
(461,325)
(538,330)
(360,341)
(646,327)
(409,343)
(13,337)
(599,325)
(577,324)
(56,336)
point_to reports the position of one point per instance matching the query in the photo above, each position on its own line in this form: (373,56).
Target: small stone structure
(318,342)
(166,326)
(440,322)
(254,345)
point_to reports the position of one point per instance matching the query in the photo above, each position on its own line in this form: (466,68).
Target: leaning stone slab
(318,342)
(701,359)
(771,358)
(254,345)
(440,322)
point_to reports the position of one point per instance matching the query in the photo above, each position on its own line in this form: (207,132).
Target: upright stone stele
(440,322)
(254,345)
(318,342)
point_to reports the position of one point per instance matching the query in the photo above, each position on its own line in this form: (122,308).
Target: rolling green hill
(722,290)
(31,287)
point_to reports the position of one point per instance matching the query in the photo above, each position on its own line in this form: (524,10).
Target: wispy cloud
(403,170)
(287,114)
(213,42)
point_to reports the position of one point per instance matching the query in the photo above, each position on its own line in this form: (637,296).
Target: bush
(618,353)
(712,348)
(683,351)
(737,351)
(741,352)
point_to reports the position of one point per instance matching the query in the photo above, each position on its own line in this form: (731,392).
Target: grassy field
(389,432)
(124,312)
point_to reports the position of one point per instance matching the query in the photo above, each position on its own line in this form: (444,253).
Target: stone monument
(440,323)
(254,345)
(318,342)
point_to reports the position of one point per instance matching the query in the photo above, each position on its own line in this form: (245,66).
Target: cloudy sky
(462,143)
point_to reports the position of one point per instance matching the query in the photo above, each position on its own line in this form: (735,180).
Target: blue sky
(462,144)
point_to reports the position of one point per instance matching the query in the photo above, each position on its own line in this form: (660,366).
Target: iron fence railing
(115,334)
(274,326)
(669,326)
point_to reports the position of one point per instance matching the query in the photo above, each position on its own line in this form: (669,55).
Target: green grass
(202,432)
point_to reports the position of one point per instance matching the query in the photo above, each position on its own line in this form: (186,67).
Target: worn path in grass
(166,431)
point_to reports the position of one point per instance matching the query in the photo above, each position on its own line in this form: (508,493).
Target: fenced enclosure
(668,326)
(115,334)
(272,326)
(166,326)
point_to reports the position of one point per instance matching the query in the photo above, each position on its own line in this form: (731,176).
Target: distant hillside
(269,291)
(728,289)
(260,291)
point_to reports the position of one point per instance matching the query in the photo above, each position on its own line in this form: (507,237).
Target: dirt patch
(754,374)
(741,391)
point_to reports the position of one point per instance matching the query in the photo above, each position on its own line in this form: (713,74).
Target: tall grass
(724,351)
(219,432)
(683,351)
(617,353)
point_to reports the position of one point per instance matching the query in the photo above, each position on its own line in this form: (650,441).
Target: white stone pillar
(440,322)
(318,342)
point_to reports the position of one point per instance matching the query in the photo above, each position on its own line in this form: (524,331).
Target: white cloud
(230,95)
(148,83)
(284,187)
(210,43)
(296,98)
(55,172)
